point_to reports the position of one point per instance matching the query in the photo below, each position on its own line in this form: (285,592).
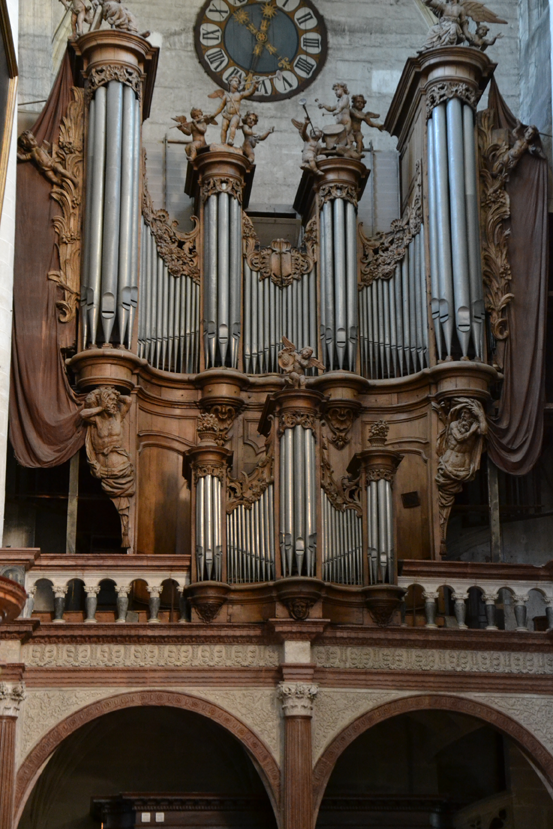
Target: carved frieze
(178,250)
(297,698)
(11,697)
(128,75)
(443,91)
(383,252)
(247,491)
(221,184)
(280,261)
(330,192)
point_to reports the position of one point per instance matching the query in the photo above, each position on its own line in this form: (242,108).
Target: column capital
(297,698)
(92,590)
(11,697)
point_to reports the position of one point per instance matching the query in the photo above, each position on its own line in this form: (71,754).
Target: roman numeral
(305,18)
(217,59)
(211,34)
(311,43)
(304,66)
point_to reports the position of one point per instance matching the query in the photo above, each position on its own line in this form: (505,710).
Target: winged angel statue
(294,363)
(452,28)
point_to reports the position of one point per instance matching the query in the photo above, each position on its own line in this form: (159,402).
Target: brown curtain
(45,425)
(515,435)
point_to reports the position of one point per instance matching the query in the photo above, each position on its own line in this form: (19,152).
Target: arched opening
(434,768)
(174,763)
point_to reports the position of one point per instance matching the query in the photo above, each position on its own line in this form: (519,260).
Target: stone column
(11,697)
(297,707)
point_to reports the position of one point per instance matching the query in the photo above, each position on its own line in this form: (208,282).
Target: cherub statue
(358,117)
(230,107)
(197,128)
(452,28)
(480,39)
(311,145)
(342,114)
(105,411)
(43,158)
(295,363)
(251,138)
(119,17)
(81,12)
(525,142)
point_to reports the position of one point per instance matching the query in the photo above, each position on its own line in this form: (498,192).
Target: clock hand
(261,35)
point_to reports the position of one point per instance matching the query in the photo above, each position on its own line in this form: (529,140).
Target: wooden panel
(163,504)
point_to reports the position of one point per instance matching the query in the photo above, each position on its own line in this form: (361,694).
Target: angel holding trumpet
(196,127)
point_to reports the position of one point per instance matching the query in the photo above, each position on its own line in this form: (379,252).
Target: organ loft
(277,504)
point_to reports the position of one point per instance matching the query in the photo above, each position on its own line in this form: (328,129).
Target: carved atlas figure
(196,127)
(251,138)
(109,461)
(295,363)
(452,28)
(230,107)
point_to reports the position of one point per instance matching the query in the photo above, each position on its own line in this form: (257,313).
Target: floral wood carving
(62,166)
(382,253)
(459,449)
(291,419)
(497,160)
(445,91)
(280,261)
(101,75)
(250,488)
(202,470)
(177,249)
(222,184)
(216,423)
(329,192)
(340,420)
(344,495)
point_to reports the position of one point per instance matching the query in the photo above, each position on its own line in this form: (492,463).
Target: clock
(283,42)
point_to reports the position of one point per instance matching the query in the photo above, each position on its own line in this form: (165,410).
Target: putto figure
(119,17)
(295,363)
(453,29)
(197,128)
(311,138)
(359,117)
(105,411)
(43,158)
(230,107)
(342,115)
(81,12)
(251,138)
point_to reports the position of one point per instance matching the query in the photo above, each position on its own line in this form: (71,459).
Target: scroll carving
(247,491)
(202,470)
(497,160)
(62,166)
(177,249)
(222,184)
(459,449)
(329,192)
(291,419)
(340,420)
(109,461)
(216,423)
(445,91)
(102,75)
(280,261)
(382,253)
(342,496)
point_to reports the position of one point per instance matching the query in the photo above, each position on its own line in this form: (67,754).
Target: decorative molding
(382,253)
(221,184)
(289,419)
(329,192)
(531,711)
(216,423)
(344,495)
(202,470)
(247,491)
(438,93)
(178,250)
(11,698)
(150,656)
(62,166)
(296,698)
(340,418)
(280,261)
(128,75)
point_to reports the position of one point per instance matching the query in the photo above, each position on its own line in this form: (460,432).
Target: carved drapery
(343,495)
(178,250)
(280,261)
(329,192)
(101,75)
(222,184)
(381,254)
(443,91)
(247,491)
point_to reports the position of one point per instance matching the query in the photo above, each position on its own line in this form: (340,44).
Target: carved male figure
(105,411)
(251,138)
(359,117)
(43,158)
(230,107)
(197,128)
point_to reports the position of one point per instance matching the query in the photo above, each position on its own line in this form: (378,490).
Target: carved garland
(280,261)
(178,250)
(495,207)
(249,490)
(101,75)
(445,91)
(222,184)
(329,192)
(383,252)
(342,496)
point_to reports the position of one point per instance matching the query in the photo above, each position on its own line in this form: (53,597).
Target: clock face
(283,42)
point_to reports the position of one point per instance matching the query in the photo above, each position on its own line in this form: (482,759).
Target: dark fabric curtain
(516,434)
(45,425)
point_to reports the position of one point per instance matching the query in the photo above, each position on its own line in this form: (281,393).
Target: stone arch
(428,702)
(258,752)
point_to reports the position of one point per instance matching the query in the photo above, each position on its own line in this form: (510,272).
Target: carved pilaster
(297,704)
(11,697)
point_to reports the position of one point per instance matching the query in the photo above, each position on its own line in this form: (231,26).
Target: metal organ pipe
(473,231)
(298,517)
(250,543)
(96,178)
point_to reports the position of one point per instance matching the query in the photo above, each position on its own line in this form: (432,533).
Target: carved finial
(379,433)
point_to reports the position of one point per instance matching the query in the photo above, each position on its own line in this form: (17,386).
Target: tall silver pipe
(283,502)
(310,504)
(374,530)
(412,303)
(340,281)
(459,249)
(135,221)
(142,301)
(96,182)
(200,527)
(418,300)
(166,287)
(208,518)
(329,284)
(383,551)
(152,295)
(247,317)
(210,288)
(254,322)
(160,284)
(406,319)
(85,270)
(445,276)
(380,320)
(176,322)
(351,283)
(170,322)
(433,236)
(322,290)
(235,301)
(223,273)
(185,292)
(473,230)
(260,326)
(126,236)
(370,335)
(390,530)
(398,301)
(393,322)
(386,318)
(217,533)
(299,496)
(425,323)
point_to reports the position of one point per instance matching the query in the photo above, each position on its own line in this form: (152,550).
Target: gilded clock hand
(261,35)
